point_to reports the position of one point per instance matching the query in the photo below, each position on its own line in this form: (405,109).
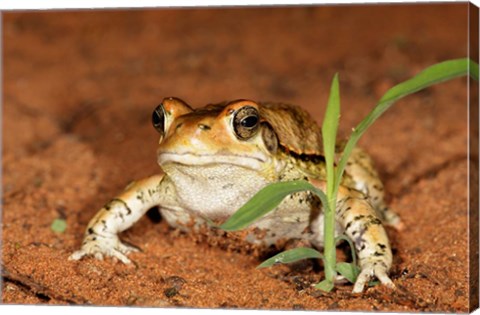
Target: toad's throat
(193,159)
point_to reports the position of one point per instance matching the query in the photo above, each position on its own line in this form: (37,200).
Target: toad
(215,158)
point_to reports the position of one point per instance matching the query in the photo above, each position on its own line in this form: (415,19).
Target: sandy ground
(78,92)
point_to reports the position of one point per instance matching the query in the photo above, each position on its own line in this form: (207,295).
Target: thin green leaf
(290,256)
(348,270)
(350,243)
(325,285)
(329,132)
(265,201)
(58,226)
(434,74)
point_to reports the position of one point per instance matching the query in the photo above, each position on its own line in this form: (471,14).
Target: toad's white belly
(215,191)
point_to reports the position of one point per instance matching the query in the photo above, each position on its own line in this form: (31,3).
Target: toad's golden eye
(158,119)
(246,122)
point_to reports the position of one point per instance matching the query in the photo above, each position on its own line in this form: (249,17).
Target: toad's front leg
(101,237)
(361,224)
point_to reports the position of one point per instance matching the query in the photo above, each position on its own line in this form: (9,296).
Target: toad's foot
(370,270)
(99,246)
(392,219)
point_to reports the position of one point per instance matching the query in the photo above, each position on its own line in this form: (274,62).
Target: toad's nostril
(204,127)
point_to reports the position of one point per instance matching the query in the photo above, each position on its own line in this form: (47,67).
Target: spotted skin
(101,236)
(366,180)
(214,161)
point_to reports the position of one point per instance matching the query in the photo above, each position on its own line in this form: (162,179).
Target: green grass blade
(290,256)
(329,132)
(348,270)
(434,74)
(265,201)
(350,243)
(325,285)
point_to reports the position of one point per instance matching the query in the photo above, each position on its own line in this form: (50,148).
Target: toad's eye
(249,122)
(246,122)
(158,119)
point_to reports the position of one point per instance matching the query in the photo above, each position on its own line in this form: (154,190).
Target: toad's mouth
(247,161)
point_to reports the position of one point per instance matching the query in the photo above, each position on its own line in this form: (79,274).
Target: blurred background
(99,73)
